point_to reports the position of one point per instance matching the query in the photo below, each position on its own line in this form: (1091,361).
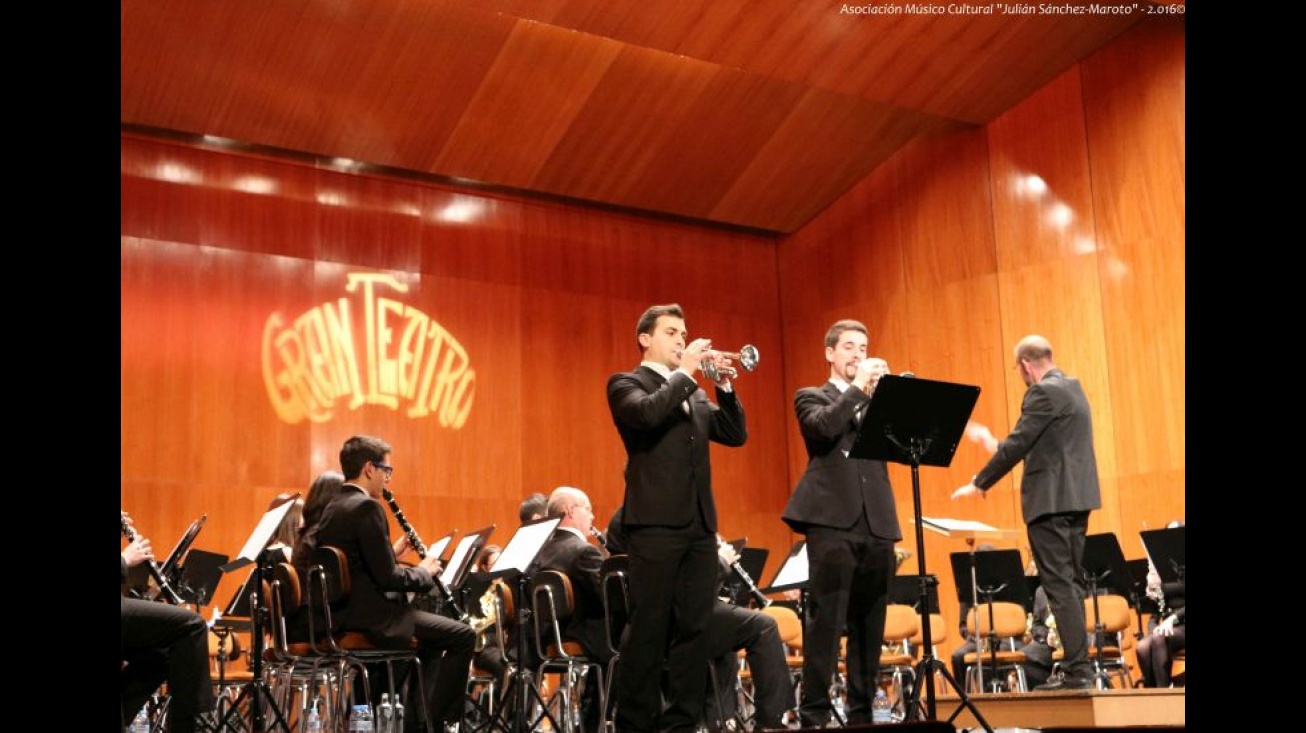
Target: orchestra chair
(1000,624)
(916,646)
(790,628)
(1177,668)
(329,585)
(901,624)
(553,603)
(296,666)
(1108,656)
(615,581)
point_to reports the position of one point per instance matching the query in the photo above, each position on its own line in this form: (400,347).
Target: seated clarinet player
(162,643)
(355,522)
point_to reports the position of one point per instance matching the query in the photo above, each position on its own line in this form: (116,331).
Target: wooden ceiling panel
(747,112)
(829,143)
(643,97)
(527,101)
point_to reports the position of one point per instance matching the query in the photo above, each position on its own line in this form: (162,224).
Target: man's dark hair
(847,324)
(536,503)
(650,319)
(357,451)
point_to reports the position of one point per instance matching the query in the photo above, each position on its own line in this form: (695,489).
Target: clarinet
(420,547)
(155,573)
(603,542)
(742,574)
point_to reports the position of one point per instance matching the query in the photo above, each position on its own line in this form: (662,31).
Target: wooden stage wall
(482,327)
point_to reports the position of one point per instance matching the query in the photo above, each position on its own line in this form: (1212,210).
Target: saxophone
(489,604)
(420,547)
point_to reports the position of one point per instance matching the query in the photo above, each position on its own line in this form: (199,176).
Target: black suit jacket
(580,561)
(835,489)
(1054,437)
(668,472)
(356,523)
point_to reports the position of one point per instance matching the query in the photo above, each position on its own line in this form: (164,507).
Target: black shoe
(1065,682)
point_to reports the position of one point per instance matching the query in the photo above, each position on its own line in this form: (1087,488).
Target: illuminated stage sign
(398,357)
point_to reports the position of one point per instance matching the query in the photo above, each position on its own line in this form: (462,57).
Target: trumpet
(747,356)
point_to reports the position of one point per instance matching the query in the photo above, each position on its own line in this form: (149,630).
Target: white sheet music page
(794,570)
(945,526)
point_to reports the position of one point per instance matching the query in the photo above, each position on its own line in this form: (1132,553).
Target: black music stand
(1166,548)
(200,575)
(255,553)
(906,589)
(793,575)
(456,574)
(994,575)
(1138,592)
(919,421)
(514,564)
(1104,569)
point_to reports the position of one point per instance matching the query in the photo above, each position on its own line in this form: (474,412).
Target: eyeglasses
(385,467)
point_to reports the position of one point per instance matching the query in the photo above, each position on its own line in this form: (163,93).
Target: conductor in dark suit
(666,422)
(355,522)
(846,509)
(1054,437)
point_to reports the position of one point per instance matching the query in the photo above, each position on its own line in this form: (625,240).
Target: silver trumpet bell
(747,356)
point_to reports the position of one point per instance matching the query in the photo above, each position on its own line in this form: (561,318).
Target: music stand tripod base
(919,421)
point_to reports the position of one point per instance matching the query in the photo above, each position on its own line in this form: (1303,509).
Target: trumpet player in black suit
(666,423)
(845,507)
(730,629)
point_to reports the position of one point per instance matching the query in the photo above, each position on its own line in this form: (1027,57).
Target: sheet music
(954,525)
(267,526)
(794,570)
(524,546)
(436,549)
(459,552)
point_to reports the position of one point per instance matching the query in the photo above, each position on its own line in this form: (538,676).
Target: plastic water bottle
(399,716)
(141,723)
(385,715)
(314,722)
(881,709)
(360,720)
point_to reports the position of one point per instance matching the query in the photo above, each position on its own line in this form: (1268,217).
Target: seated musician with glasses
(355,522)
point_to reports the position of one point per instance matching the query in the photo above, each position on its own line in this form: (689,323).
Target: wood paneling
(736,111)
(950,256)
(543,297)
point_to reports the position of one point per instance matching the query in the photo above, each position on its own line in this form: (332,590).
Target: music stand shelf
(968,530)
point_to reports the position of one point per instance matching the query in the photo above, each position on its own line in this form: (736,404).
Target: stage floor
(1071,708)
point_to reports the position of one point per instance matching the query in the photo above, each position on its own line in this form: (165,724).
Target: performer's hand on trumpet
(869,371)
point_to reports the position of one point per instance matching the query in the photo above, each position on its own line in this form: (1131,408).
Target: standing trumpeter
(669,515)
(846,509)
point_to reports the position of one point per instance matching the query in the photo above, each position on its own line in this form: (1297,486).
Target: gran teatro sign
(366,348)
